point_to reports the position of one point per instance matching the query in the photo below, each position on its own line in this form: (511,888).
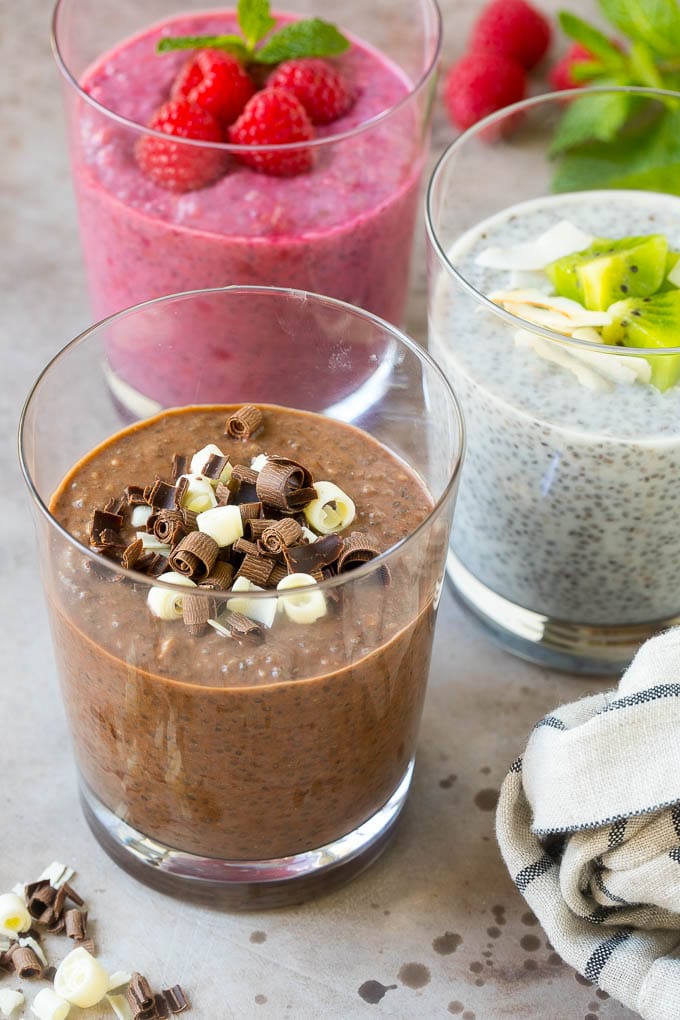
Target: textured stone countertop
(437,920)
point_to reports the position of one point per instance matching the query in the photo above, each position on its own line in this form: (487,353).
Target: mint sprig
(311,37)
(620,139)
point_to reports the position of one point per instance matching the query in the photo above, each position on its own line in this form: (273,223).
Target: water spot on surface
(530,942)
(414,975)
(601,994)
(485,770)
(590,1016)
(555,960)
(258,937)
(476,967)
(487,799)
(373,991)
(456,1007)
(479,982)
(447,943)
(493,933)
(594,1006)
(468,1015)
(260,999)
(487,953)
(530,965)
(529,919)
(448,781)
(583,981)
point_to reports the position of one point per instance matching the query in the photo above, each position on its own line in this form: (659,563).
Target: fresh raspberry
(274,117)
(217,82)
(561,74)
(480,84)
(321,88)
(173,165)
(513,28)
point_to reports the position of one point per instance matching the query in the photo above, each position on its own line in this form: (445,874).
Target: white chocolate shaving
(14,916)
(562,239)
(153,544)
(120,1006)
(307,607)
(222,523)
(47,1005)
(257,463)
(10,1000)
(331,511)
(200,459)
(220,628)
(118,979)
(261,610)
(165,604)
(311,536)
(81,979)
(674,275)
(200,494)
(57,874)
(140,515)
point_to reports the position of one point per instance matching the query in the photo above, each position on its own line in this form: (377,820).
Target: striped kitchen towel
(588,823)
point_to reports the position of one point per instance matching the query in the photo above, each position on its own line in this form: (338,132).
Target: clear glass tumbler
(344,228)
(266,773)
(564,541)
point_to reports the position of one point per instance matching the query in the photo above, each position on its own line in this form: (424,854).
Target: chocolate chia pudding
(567,497)
(239,749)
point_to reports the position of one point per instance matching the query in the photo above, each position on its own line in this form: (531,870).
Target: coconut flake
(564,238)
(550,351)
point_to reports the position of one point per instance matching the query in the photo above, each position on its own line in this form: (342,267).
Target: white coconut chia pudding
(567,501)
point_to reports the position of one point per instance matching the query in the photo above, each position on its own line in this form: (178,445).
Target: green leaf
(255,20)
(595,42)
(594,116)
(654,22)
(231,43)
(312,38)
(643,70)
(646,156)
(588,70)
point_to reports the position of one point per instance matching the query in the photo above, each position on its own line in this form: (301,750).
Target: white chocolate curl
(140,515)
(331,511)
(222,523)
(167,605)
(257,463)
(14,916)
(47,1005)
(200,494)
(80,979)
(9,1001)
(307,606)
(261,610)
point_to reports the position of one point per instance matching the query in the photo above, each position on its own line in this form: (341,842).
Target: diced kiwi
(611,270)
(651,322)
(671,261)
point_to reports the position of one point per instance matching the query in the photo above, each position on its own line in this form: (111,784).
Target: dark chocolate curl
(250,512)
(255,528)
(140,997)
(313,557)
(358,549)
(75,921)
(162,1007)
(257,569)
(284,484)
(176,999)
(135,495)
(222,494)
(196,611)
(72,895)
(245,548)
(162,495)
(243,474)
(280,534)
(277,574)
(102,521)
(25,962)
(168,526)
(244,423)
(180,466)
(243,628)
(214,466)
(41,900)
(132,553)
(219,578)
(195,555)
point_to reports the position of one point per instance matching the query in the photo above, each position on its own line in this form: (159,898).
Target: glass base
(558,644)
(245,885)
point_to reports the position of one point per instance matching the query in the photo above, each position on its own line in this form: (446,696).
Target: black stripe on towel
(601,955)
(674,854)
(617,833)
(552,721)
(532,871)
(597,877)
(642,697)
(516,765)
(675,818)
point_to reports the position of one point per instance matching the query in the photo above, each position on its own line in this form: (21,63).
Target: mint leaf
(594,116)
(231,43)
(591,38)
(255,20)
(654,22)
(312,38)
(588,70)
(645,157)
(643,70)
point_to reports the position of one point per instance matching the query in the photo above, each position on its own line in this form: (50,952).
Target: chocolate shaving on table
(280,534)
(49,973)
(134,494)
(244,423)
(195,555)
(25,962)
(57,924)
(214,466)
(250,512)
(5,959)
(40,898)
(313,557)
(132,554)
(162,1008)
(257,569)
(277,574)
(180,491)
(72,895)
(284,484)
(75,921)
(243,628)
(219,578)
(180,466)
(176,999)
(140,996)
(222,494)
(196,611)
(89,946)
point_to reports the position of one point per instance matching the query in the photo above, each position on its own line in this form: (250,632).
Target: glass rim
(229,147)
(383,559)
(545,98)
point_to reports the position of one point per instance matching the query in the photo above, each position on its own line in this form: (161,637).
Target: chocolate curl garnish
(196,611)
(102,521)
(6,959)
(162,1008)
(222,494)
(176,999)
(75,921)
(280,534)
(358,549)
(219,578)
(242,485)
(180,491)
(278,573)
(245,548)
(140,997)
(243,628)
(25,962)
(257,527)
(89,946)
(284,484)
(162,495)
(40,899)
(134,494)
(132,553)
(167,525)
(180,466)
(195,556)
(190,519)
(72,895)
(214,466)
(151,563)
(115,505)
(250,512)
(55,922)
(313,557)
(257,569)
(243,474)
(244,423)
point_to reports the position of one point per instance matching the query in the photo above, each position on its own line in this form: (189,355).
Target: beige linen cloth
(588,823)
